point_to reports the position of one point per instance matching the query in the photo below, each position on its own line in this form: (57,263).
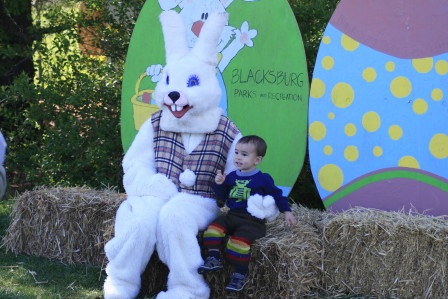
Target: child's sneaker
(237,282)
(211,264)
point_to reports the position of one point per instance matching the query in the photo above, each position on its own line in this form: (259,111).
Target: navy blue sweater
(238,186)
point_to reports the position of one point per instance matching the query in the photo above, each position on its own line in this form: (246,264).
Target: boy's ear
(259,159)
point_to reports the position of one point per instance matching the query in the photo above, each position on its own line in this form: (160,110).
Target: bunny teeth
(178,111)
(175,108)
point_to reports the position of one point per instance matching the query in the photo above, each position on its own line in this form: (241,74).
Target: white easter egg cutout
(262,72)
(378,108)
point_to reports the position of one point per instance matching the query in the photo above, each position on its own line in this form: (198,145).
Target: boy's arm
(271,189)
(281,201)
(221,188)
(221,194)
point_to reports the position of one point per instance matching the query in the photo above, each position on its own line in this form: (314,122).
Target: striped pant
(242,230)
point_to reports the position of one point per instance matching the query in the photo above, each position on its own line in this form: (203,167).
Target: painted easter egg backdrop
(262,71)
(378,119)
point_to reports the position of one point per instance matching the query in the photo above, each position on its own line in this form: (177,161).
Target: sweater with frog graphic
(239,186)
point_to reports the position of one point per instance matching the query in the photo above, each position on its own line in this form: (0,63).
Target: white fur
(131,248)
(2,148)
(262,207)
(199,62)
(155,215)
(179,222)
(2,169)
(188,178)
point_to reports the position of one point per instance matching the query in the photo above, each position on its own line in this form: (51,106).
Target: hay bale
(360,251)
(386,254)
(70,225)
(286,263)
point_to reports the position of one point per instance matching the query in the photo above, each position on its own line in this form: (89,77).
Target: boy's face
(246,158)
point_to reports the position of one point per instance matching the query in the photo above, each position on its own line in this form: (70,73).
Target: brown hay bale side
(66,224)
(386,254)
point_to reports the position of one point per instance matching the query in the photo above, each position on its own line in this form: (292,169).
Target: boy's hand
(290,219)
(220,177)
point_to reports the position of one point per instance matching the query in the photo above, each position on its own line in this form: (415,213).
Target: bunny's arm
(140,176)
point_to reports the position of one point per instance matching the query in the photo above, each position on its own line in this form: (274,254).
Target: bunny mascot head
(189,92)
(170,167)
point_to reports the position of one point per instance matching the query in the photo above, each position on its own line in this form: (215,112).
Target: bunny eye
(167,80)
(193,81)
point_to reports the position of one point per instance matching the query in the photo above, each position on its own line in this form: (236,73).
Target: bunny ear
(205,47)
(174,35)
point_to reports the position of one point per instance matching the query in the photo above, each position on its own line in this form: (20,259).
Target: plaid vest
(205,160)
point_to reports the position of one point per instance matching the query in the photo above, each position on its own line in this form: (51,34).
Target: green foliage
(63,128)
(5,212)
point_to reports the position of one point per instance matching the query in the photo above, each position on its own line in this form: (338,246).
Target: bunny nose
(174,96)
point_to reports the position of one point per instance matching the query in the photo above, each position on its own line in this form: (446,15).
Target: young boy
(241,227)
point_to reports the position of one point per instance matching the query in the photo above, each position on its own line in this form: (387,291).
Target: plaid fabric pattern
(209,156)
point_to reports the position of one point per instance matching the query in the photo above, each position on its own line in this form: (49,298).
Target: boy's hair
(258,142)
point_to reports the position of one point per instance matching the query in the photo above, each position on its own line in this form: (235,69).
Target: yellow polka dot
(400,87)
(408,161)
(317,88)
(369,74)
(349,43)
(438,146)
(371,121)
(351,153)
(395,132)
(327,62)
(326,39)
(419,106)
(436,94)
(328,150)
(377,151)
(342,95)
(350,129)
(390,66)
(441,67)
(331,115)
(330,177)
(422,65)
(317,130)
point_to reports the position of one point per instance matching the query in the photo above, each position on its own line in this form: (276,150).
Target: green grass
(23,276)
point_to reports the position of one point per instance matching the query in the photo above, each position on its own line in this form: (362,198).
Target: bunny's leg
(179,223)
(132,246)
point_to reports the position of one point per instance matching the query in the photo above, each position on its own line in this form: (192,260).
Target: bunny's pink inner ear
(174,34)
(205,47)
